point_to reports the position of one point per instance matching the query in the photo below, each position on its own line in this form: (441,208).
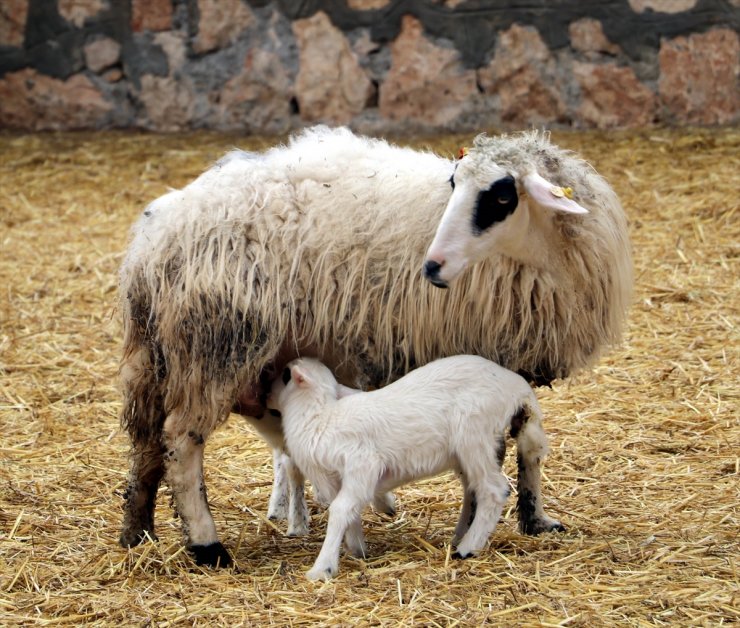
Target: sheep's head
(492,211)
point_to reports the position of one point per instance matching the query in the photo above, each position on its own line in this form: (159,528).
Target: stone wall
(381,66)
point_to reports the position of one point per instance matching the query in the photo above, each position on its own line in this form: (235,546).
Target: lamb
(288,499)
(450,414)
(316,249)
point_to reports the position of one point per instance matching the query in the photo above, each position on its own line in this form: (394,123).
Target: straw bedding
(646,448)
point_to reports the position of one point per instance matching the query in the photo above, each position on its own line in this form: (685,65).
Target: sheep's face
(489,213)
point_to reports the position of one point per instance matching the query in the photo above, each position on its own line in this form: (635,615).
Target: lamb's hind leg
(183,460)
(490,493)
(526,427)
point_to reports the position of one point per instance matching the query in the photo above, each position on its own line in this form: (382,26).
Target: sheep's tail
(142,374)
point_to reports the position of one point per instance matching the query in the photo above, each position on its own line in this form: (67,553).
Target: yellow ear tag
(462,152)
(559,192)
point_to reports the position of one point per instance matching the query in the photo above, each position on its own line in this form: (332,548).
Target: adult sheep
(316,248)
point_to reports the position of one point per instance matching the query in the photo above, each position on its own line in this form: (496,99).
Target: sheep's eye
(494,204)
(452,181)
(286,376)
(276,413)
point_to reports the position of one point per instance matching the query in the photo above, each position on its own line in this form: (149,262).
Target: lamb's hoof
(213,555)
(277,515)
(385,504)
(130,538)
(298,531)
(534,527)
(321,573)
(459,556)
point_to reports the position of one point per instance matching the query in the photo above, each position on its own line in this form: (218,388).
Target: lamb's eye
(452,181)
(276,413)
(286,376)
(503,200)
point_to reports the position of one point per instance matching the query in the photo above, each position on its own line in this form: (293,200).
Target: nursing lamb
(452,413)
(316,248)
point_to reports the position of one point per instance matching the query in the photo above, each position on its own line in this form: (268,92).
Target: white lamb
(288,499)
(452,413)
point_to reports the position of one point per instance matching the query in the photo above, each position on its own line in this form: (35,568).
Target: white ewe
(316,248)
(450,414)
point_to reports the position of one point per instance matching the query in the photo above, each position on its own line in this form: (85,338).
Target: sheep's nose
(431,272)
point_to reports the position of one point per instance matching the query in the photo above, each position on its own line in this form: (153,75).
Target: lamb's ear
(300,376)
(346,391)
(551,196)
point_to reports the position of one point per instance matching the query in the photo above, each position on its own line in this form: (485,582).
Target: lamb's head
(499,202)
(305,380)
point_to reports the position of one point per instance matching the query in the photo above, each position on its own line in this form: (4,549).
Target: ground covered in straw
(644,469)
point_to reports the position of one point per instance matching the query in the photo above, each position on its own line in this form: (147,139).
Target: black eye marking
(452,181)
(276,413)
(286,376)
(495,204)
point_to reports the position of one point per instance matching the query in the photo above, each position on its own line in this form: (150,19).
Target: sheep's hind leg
(184,467)
(147,469)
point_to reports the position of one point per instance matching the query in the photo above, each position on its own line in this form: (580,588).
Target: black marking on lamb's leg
(213,555)
(501,451)
(473,508)
(518,421)
(147,469)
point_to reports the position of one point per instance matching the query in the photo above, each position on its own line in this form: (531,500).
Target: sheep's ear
(551,196)
(300,376)
(346,391)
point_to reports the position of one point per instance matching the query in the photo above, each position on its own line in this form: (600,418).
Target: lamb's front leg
(344,512)
(277,509)
(297,507)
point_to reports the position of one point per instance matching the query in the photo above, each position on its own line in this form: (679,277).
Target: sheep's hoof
(321,573)
(131,538)
(213,555)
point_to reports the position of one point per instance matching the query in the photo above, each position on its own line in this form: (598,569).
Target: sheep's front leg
(183,460)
